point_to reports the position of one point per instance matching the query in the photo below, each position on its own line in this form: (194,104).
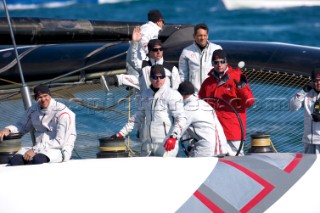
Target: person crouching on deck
(54,129)
(208,138)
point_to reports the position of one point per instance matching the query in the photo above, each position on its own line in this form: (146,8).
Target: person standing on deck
(149,31)
(143,67)
(195,60)
(161,108)
(54,128)
(230,85)
(155,56)
(203,127)
(309,98)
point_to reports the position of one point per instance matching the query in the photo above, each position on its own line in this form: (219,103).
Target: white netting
(270,113)
(100,113)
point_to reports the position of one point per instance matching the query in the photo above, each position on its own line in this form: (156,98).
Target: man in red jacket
(227,90)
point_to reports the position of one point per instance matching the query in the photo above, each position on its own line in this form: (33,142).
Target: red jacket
(226,89)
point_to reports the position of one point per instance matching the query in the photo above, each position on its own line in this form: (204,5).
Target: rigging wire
(85,67)
(24,89)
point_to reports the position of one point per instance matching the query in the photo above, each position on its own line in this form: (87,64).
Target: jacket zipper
(152,117)
(165,129)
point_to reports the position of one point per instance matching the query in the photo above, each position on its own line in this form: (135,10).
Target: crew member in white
(309,99)
(149,31)
(54,128)
(162,111)
(203,127)
(155,56)
(195,60)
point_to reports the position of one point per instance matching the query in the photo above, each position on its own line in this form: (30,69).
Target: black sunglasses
(219,62)
(157,49)
(156,77)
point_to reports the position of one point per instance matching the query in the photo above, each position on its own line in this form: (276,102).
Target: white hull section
(298,198)
(253,183)
(103,185)
(268,4)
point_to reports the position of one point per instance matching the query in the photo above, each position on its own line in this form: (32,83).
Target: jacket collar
(153,61)
(221,78)
(197,46)
(189,99)
(50,107)
(154,25)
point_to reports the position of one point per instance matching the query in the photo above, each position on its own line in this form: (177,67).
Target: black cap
(154,16)
(157,69)
(218,54)
(186,88)
(152,43)
(315,74)
(41,89)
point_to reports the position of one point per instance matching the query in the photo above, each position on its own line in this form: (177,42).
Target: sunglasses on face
(219,62)
(156,77)
(157,49)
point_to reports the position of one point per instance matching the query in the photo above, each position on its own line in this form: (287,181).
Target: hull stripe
(266,178)
(267,186)
(213,207)
(294,163)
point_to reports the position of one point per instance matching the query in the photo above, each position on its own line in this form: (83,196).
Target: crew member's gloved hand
(170,143)
(243,81)
(309,86)
(118,135)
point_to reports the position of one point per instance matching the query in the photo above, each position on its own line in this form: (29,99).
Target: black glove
(111,80)
(309,86)
(243,81)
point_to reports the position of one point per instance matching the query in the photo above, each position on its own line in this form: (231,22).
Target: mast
(25,92)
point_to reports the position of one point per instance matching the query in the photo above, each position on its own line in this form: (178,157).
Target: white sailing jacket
(311,133)
(143,67)
(149,31)
(194,64)
(205,129)
(163,113)
(55,130)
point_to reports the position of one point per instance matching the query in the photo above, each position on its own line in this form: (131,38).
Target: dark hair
(219,54)
(157,69)
(200,26)
(154,16)
(186,88)
(41,89)
(154,42)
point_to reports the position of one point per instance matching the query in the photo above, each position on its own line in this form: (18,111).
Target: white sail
(268,4)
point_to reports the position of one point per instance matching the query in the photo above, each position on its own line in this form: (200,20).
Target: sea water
(299,25)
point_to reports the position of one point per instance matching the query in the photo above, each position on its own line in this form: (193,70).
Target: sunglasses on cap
(219,62)
(156,77)
(157,49)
